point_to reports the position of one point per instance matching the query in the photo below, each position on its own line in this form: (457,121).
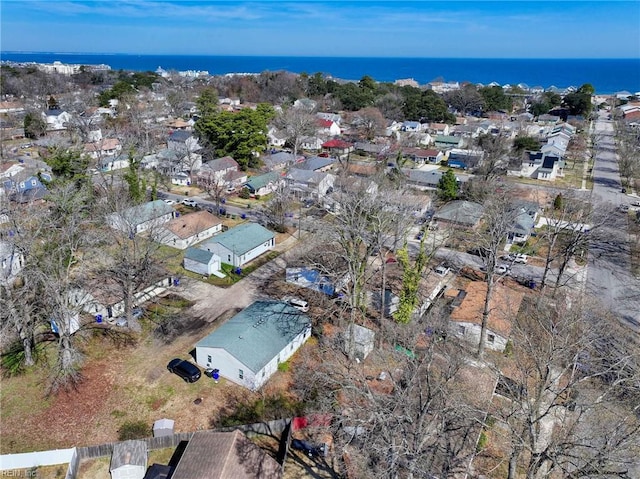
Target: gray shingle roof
(243,238)
(258,333)
(129,452)
(199,255)
(146,212)
(461,212)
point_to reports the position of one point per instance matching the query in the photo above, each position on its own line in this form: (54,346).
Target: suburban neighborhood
(203,276)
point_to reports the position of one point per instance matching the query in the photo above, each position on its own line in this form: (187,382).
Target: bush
(283,367)
(133,430)
(244,194)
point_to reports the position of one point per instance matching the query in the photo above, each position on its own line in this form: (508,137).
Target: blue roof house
(241,244)
(248,347)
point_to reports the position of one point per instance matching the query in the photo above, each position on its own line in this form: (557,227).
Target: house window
(33,182)
(208,358)
(229,258)
(240,374)
(263,373)
(462,329)
(4,263)
(491,338)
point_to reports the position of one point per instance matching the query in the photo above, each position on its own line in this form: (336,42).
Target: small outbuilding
(358,341)
(163,427)
(201,261)
(129,460)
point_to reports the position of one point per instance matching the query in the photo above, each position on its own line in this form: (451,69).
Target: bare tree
(296,124)
(567,405)
(369,122)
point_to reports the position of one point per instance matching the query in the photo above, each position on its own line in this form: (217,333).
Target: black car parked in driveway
(309,449)
(186,370)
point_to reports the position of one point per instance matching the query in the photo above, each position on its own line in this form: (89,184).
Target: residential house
(165,161)
(541,166)
(278,160)
(11,107)
(110,163)
(316,163)
(460,213)
(186,230)
(443,129)
(311,143)
(464,159)
(56,119)
(411,126)
(305,183)
(11,262)
(526,215)
(129,460)
(27,189)
(181,179)
(103,297)
(10,169)
(422,156)
(217,171)
(147,216)
(472,130)
(338,148)
(372,149)
(241,244)
(248,348)
(225,455)
(186,146)
(448,141)
(465,320)
(104,147)
(180,124)
(312,279)
(328,127)
(443,87)
(630,111)
(264,184)
(305,104)
(201,261)
(423,179)
(334,117)
(276,138)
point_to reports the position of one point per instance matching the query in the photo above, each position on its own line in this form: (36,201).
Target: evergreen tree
(448,186)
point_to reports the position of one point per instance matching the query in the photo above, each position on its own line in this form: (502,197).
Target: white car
(442,270)
(189,202)
(170,202)
(299,304)
(502,269)
(516,258)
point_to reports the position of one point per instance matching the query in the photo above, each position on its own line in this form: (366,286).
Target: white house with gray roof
(129,460)
(201,261)
(141,217)
(248,347)
(241,244)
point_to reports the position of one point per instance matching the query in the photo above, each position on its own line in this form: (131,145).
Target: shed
(129,460)
(163,427)
(358,341)
(201,261)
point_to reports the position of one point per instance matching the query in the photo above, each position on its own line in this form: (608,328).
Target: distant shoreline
(606,75)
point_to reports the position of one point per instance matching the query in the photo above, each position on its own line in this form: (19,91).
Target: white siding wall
(229,366)
(206,269)
(170,239)
(227,256)
(472,334)
(128,472)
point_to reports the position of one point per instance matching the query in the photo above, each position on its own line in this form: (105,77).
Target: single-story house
(466,214)
(311,143)
(310,278)
(423,179)
(225,455)
(276,138)
(186,230)
(103,147)
(181,179)
(465,320)
(338,148)
(264,184)
(328,127)
(447,141)
(411,126)
(278,160)
(526,214)
(201,261)
(316,163)
(420,156)
(372,149)
(248,347)
(129,460)
(110,163)
(216,170)
(310,183)
(241,244)
(464,159)
(141,217)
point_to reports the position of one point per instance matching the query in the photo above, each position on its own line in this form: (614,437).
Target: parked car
(516,258)
(299,304)
(186,370)
(170,201)
(635,203)
(308,448)
(189,202)
(502,269)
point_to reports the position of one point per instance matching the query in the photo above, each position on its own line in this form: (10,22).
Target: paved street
(609,274)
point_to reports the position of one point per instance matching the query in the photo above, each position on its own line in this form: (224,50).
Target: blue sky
(462,29)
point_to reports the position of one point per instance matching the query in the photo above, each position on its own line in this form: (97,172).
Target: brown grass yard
(120,384)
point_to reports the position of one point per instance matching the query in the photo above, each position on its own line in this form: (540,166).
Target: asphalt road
(609,275)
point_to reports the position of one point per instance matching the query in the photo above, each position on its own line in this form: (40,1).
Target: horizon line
(31,52)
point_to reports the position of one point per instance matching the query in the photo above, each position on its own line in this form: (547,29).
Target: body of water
(606,75)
